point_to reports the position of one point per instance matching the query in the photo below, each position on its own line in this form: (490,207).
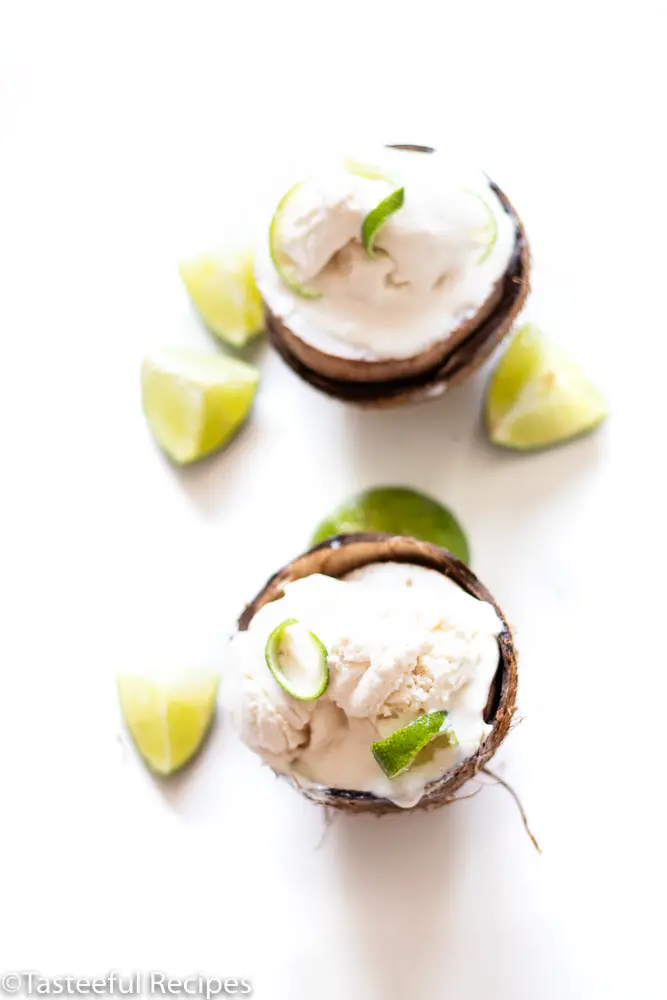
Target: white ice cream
(427,282)
(402,640)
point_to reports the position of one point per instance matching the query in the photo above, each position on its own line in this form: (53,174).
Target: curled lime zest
(397,753)
(377,218)
(281,261)
(306,676)
(491,227)
(367,170)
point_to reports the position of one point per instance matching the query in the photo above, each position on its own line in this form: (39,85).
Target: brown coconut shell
(341,555)
(428,374)
(351,370)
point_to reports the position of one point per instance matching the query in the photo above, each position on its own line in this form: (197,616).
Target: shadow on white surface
(432,439)
(181,790)
(253,353)
(419,887)
(398,875)
(409,441)
(209,482)
(189,793)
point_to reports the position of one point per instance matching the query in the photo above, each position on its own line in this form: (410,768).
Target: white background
(135,133)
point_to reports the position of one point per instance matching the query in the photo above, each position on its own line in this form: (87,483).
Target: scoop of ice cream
(433,238)
(267,718)
(401,640)
(320,218)
(437,262)
(410,657)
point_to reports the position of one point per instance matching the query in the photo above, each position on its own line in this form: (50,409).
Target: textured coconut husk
(341,555)
(428,374)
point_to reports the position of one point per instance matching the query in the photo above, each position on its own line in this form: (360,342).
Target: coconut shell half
(428,374)
(341,555)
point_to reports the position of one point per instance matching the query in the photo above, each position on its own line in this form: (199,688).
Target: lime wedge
(194,401)
(397,511)
(487,235)
(366,170)
(169,718)
(396,754)
(298,660)
(377,218)
(538,396)
(282,263)
(224,293)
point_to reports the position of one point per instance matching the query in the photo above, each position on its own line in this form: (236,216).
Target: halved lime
(396,510)
(194,401)
(487,235)
(298,660)
(283,264)
(396,754)
(223,291)
(538,396)
(377,218)
(168,718)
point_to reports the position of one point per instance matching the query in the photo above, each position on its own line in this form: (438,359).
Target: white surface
(130,135)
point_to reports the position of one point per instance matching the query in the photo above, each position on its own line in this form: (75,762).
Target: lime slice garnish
(367,170)
(397,511)
(487,235)
(377,218)
(298,660)
(282,263)
(396,754)
(538,396)
(169,718)
(224,293)
(194,401)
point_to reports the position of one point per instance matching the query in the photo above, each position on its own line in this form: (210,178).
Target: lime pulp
(168,719)
(194,401)
(223,290)
(538,396)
